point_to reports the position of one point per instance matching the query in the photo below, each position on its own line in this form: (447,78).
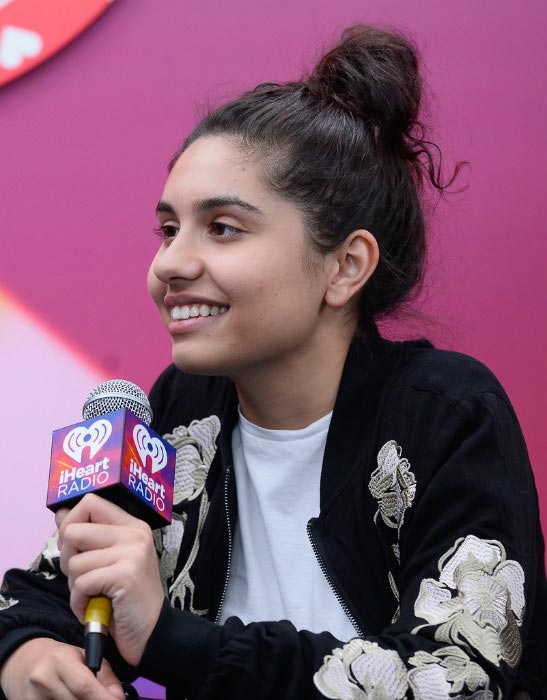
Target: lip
(193,323)
(171,300)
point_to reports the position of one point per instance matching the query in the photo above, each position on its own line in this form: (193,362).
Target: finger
(93,583)
(83,685)
(80,538)
(89,537)
(109,680)
(65,677)
(83,562)
(83,537)
(47,685)
(60,515)
(94,509)
(81,682)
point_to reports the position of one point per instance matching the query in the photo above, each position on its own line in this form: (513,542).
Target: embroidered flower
(478,601)
(47,563)
(196,447)
(395,591)
(181,591)
(6,603)
(393,485)
(444,673)
(167,541)
(361,670)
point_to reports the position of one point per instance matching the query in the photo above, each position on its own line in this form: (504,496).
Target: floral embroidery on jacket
(478,600)
(47,563)
(181,591)
(196,447)
(167,541)
(362,670)
(446,672)
(6,603)
(395,591)
(477,606)
(393,485)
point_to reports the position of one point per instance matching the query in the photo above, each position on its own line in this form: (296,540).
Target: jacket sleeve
(470,578)
(35,603)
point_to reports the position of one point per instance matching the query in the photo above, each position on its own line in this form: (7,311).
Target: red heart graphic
(31,32)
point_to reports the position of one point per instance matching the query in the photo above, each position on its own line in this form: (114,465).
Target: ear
(354,263)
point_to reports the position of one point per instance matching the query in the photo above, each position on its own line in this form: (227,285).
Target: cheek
(156,287)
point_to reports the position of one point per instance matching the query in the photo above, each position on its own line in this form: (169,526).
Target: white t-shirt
(275,574)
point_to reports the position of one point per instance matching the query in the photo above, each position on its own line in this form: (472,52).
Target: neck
(294,393)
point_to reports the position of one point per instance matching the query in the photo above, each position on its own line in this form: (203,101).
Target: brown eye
(166,231)
(221,230)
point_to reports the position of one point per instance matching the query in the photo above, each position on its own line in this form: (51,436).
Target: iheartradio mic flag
(120,458)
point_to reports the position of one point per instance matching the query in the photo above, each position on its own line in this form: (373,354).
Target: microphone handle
(97,621)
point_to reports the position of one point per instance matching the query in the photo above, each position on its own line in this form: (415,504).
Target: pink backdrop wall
(84,142)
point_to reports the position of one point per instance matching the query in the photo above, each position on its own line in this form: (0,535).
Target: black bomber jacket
(428,533)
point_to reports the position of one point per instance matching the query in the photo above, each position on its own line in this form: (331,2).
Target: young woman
(354,518)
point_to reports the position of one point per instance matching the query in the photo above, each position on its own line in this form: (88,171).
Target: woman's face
(232,277)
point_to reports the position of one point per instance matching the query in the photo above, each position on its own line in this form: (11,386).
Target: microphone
(113,452)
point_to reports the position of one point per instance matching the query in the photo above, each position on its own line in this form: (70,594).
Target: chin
(187,362)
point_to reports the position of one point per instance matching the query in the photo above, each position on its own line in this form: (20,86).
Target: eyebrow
(204,205)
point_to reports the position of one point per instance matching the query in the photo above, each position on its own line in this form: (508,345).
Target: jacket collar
(369,363)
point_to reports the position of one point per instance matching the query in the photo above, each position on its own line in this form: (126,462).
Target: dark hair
(345,145)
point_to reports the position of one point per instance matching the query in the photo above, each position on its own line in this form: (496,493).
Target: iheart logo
(16,44)
(81,437)
(148,446)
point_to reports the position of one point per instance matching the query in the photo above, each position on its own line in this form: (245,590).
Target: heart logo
(16,45)
(81,437)
(31,31)
(149,447)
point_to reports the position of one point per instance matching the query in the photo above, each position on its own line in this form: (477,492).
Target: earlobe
(356,261)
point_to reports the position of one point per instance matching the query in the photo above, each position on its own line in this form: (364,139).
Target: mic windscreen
(115,394)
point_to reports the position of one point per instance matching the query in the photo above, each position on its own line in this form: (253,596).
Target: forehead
(213,165)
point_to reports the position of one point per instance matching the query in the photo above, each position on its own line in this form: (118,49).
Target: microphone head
(115,394)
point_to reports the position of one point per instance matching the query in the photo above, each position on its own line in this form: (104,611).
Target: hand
(105,551)
(43,669)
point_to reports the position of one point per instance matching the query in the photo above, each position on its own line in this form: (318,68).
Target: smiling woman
(233,243)
(353,518)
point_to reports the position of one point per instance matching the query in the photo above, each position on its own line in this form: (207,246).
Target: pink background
(84,143)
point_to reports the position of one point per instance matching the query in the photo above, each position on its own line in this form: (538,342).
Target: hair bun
(372,73)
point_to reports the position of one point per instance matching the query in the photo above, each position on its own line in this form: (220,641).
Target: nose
(178,260)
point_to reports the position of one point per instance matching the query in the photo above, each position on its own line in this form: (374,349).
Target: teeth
(181,313)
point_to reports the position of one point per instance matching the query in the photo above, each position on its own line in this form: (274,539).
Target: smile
(181,313)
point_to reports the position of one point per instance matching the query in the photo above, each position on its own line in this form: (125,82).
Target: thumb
(116,690)
(108,680)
